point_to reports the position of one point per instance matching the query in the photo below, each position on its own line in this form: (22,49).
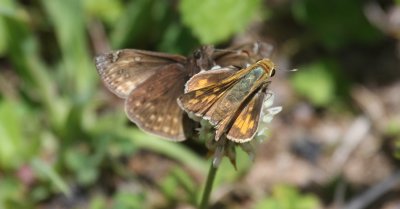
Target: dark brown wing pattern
(123,70)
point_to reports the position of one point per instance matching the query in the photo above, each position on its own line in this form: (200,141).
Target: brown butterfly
(151,82)
(230,100)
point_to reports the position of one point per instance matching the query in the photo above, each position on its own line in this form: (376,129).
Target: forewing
(242,55)
(153,104)
(245,124)
(218,103)
(208,78)
(200,101)
(123,70)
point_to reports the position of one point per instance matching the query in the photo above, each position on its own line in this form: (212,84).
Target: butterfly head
(268,66)
(201,59)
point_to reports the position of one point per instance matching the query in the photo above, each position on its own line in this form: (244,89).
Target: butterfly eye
(197,54)
(272,72)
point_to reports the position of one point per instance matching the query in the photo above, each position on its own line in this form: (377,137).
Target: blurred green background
(66,143)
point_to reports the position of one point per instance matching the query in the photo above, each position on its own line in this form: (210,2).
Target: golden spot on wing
(215,89)
(202,82)
(156,128)
(240,122)
(137,104)
(159,119)
(198,93)
(137,59)
(251,124)
(209,98)
(173,132)
(175,120)
(152,117)
(193,101)
(245,127)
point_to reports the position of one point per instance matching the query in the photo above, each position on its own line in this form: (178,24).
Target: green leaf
(48,172)
(169,187)
(3,37)
(336,23)
(143,21)
(10,191)
(7,7)
(316,82)
(108,10)
(24,55)
(174,150)
(77,70)
(17,141)
(285,197)
(126,200)
(215,21)
(82,165)
(98,202)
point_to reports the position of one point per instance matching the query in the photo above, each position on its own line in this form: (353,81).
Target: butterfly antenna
(291,70)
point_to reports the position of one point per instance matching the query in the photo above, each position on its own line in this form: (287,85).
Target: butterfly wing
(202,96)
(242,55)
(152,105)
(245,125)
(208,78)
(123,70)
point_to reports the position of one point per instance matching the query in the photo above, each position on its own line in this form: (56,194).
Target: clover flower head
(225,147)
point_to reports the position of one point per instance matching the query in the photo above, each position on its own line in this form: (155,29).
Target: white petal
(274,110)
(215,67)
(267,118)
(269,100)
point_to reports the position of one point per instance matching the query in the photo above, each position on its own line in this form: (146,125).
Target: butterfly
(230,100)
(150,82)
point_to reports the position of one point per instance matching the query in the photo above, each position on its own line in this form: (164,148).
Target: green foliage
(50,123)
(214,21)
(316,82)
(128,200)
(47,172)
(7,7)
(106,10)
(77,68)
(335,23)
(393,132)
(285,197)
(17,140)
(10,190)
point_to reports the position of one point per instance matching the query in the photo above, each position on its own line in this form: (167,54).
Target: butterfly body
(232,104)
(151,82)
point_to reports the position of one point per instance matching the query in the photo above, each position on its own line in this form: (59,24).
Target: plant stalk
(208,187)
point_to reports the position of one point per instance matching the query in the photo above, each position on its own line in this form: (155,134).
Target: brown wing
(123,70)
(199,100)
(208,78)
(242,55)
(153,104)
(245,124)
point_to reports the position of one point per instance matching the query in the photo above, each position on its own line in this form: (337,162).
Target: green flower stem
(207,190)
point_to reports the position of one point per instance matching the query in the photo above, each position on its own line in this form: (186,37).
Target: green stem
(207,190)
